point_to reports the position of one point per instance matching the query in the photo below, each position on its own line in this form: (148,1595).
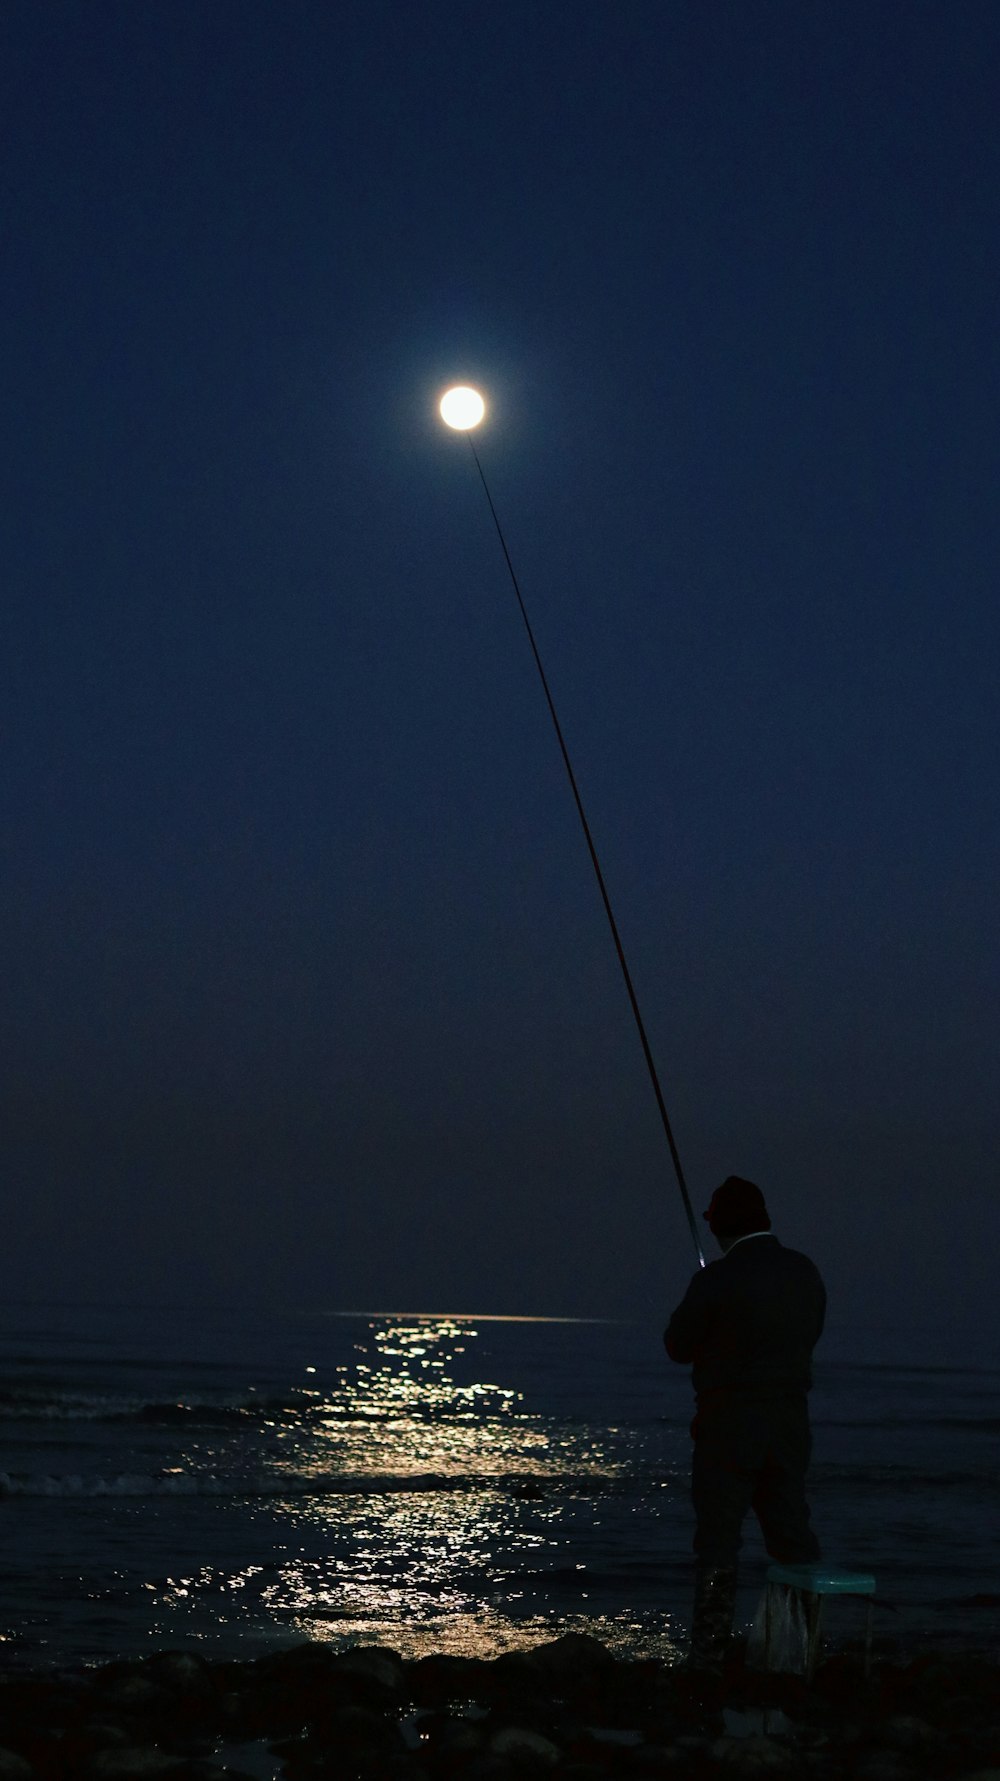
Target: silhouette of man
(748,1323)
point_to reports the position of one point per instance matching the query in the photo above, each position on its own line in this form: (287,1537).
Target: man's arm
(688,1326)
(820,1306)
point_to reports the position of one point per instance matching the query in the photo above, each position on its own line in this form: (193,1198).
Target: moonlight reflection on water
(459,1565)
(401,1414)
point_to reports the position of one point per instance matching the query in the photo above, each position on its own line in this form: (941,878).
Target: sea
(234,1480)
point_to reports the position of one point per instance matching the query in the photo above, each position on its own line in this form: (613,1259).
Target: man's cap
(737,1207)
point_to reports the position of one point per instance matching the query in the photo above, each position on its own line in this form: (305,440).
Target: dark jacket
(750,1321)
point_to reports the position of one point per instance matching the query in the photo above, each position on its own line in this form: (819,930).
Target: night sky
(308,994)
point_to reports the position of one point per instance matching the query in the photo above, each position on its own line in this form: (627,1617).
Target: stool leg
(869,1617)
(814,1615)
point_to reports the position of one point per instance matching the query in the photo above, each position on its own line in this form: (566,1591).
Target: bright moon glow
(462,408)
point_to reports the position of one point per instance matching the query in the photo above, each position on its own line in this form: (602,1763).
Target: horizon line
(476,1316)
(279,1308)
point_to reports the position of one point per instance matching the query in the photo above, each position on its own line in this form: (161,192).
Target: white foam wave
(190,1484)
(271,1484)
(70,1407)
(104,1407)
(125,1484)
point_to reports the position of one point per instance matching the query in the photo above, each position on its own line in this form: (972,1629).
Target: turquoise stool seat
(814,1583)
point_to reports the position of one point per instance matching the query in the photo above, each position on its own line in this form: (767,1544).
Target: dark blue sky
(308,994)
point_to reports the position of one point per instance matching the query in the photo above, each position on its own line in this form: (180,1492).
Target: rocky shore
(566,1711)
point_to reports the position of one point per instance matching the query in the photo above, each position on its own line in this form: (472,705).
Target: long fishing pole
(467,408)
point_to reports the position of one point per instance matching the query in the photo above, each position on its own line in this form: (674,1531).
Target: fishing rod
(462,409)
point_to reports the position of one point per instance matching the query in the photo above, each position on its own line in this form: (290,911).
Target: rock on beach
(568,1710)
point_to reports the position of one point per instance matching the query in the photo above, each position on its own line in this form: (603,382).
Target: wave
(171,1415)
(177,1483)
(828,1368)
(306,1408)
(987,1425)
(842,1476)
(70,1406)
(529,1487)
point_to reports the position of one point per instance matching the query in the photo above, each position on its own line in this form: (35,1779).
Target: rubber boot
(712,1621)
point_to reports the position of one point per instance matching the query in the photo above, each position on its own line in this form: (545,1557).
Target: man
(749,1324)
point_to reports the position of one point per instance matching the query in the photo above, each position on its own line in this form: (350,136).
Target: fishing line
(633,999)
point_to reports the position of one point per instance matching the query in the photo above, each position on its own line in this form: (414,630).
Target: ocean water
(230,1481)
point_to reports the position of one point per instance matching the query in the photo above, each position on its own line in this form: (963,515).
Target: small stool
(814,1582)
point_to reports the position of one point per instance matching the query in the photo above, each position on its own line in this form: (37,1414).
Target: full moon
(462,408)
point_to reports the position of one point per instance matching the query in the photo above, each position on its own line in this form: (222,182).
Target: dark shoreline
(568,1710)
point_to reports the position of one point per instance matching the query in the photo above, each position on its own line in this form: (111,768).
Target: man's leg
(779,1498)
(721,1493)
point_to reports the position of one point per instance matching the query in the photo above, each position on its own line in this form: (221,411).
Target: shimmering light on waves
(414,1540)
(404,1448)
(419,1623)
(400,1412)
